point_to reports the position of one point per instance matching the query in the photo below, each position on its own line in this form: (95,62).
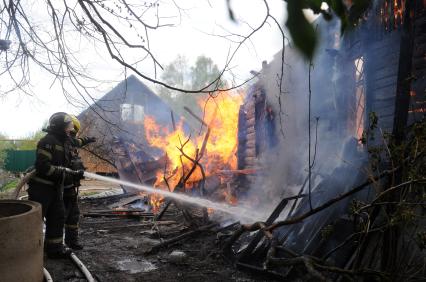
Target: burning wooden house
(370,81)
(141,138)
(117,121)
(370,69)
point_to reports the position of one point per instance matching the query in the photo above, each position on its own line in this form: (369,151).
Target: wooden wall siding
(256,131)
(382,59)
(417,109)
(250,157)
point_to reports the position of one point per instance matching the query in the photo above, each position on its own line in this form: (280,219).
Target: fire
(392,12)
(217,144)
(224,120)
(156,200)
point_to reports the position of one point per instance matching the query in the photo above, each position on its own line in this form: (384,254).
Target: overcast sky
(20,115)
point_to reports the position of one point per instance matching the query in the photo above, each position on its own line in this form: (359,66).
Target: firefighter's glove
(78,174)
(90,139)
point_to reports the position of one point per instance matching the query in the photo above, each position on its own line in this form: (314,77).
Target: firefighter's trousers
(53,211)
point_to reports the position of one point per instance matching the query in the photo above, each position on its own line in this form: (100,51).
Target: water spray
(236,211)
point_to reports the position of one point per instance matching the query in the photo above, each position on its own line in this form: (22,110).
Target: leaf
(230,11)
(301,31)
(315,5)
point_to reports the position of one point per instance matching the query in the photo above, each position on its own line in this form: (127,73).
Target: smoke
(334,145)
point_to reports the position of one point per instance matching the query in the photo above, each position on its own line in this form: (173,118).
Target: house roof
(131,91)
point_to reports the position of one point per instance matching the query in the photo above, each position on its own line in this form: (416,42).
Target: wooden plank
(250,130)
(386,123)
(251,122)
(251,136)
(384,82)
(171,241)
(385,111)
(386,72)
(259,235)
(249,116)
(250,111)
(384,94)
(382,61)
(386,41)
(388,103)
(250,144)
(251,152)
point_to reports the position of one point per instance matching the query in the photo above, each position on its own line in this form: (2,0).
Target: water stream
(238,212)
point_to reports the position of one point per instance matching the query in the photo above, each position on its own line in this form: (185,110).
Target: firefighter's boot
(71,237)
(57,250)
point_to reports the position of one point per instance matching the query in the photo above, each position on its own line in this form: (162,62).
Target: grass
(9,186)
(88,193)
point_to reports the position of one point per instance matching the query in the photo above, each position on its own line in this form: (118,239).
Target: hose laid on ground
(82,268)
(24,180)
(47,276)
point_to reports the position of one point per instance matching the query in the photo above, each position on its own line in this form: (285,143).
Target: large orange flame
(219,152)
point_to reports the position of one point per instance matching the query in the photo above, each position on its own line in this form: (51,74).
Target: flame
(156,200)
(392,13)
(230,198)
(181,148)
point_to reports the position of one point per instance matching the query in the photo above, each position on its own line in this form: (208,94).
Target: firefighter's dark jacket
(75,160)
(52,154)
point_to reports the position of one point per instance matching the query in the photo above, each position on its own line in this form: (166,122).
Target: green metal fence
(19,160)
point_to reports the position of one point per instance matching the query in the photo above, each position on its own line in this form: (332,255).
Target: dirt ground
(117,249)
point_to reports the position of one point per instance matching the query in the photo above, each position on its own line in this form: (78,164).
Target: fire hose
(82,268)
(24,180)
(47,276)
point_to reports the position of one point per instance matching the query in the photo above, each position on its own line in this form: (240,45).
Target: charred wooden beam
(252,245)
(230,226)
(145,224)
(118,210)
(181,237)
(123,215)
(195,116)
(160,215)
(173,120)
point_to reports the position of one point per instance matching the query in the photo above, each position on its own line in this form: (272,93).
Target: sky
(195,33)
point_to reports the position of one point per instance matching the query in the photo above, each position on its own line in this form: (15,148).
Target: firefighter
(72,183)
(46,186)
